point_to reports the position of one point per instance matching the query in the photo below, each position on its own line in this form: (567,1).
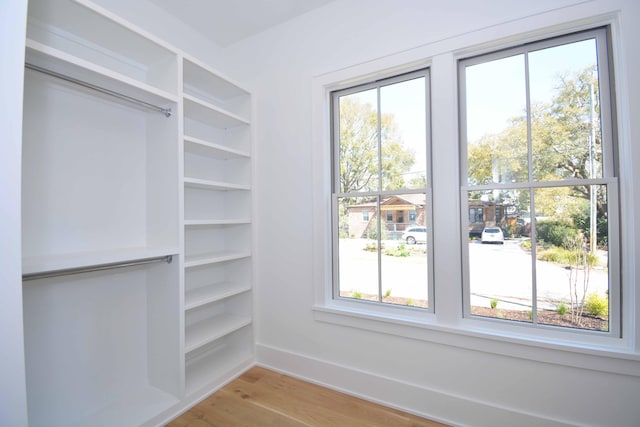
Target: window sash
(609,167)
(380,194)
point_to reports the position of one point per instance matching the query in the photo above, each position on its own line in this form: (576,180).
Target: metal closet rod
(165,111)
(97,267)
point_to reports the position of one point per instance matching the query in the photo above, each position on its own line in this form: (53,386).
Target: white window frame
(609,178)
(377,83)
(447,326)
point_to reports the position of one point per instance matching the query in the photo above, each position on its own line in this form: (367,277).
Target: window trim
(602,35)
(612,356)
(334,96)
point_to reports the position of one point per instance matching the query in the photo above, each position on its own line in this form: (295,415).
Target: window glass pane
(571,267)
(560,276)
(565,111)
(404,158)
(358,245)
(496,121)
(500,261)
(404,255)
(382,167)
(358,148)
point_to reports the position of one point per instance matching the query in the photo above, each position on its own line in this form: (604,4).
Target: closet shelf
(211,329)
(76,68)
(200,78)
(218,366)
(133,407)
(213,185)
(88,31)
(207,113)
(210,149)
(213,258)
(206,222)
(53,263)
(212,293)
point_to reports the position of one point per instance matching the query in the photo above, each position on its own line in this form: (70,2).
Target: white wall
(462,386)
(13,397)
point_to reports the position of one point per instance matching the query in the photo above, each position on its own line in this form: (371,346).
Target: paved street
(503,272)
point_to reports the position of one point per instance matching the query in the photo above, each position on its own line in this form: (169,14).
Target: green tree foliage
(361,169)
(560,134)
(566,143)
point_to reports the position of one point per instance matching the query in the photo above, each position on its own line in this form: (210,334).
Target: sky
(496,89)
(495,93)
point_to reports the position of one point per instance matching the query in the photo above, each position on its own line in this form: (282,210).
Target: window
(365,216)
(538,152)
(380,159)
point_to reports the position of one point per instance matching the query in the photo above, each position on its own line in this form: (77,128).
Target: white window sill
(606,355)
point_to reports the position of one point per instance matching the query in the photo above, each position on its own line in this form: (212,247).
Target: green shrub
(356,294)
(372,246)
(387,293)
(493,303)
(597,305)
(555,233)
(399,251)
(564,256)
(561,309)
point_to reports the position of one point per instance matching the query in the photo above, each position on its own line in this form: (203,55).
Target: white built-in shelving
(113,337)
(217,225)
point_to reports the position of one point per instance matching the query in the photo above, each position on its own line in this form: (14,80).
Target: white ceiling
(225,22)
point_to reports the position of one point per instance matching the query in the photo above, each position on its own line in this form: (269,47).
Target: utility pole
(593,224)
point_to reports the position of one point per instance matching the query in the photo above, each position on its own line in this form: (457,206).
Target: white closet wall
(136,222)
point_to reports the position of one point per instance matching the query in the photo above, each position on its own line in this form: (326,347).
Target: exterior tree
(566,143)
(560,133)
(361,168)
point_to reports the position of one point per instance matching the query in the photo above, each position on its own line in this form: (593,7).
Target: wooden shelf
(215,292)
(209,330)
(213,185)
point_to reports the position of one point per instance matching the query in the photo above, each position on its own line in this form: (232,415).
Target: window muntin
(380,154)
(537,153)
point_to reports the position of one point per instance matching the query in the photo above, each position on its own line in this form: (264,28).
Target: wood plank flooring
(261,397)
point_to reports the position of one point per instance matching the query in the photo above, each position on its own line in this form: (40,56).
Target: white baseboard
(429,403)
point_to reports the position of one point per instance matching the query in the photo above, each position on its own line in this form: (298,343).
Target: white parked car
(414,235)
(492,235)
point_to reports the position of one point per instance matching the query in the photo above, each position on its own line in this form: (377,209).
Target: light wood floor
(261,397)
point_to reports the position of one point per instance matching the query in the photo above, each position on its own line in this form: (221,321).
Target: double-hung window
(380,147)
(538,160)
